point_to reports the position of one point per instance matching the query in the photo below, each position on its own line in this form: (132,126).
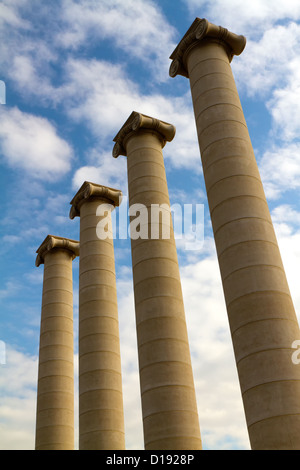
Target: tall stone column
(169,408)
(55,394)
(101,417)
(260,309)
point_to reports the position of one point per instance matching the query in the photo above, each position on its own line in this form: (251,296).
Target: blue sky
(74,71)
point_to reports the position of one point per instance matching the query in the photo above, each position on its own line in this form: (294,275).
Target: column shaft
(169,408)
(101,417)
(55,396)
(261,314)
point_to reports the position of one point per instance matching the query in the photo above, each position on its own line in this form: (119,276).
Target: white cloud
(280,170)
(31,143)
(284,105)
(31,61)
(220,407)
(286,221)
(248,18)
(30,76)
(286,214)
(135,26)
(100,175)
(99,93)
(9,14)
(129,361)
(18,379)
(26,57)
(102,97)
(260,69)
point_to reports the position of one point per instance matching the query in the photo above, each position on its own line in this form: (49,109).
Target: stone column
(55,394)
(101,417)
(260,309)
(169,408)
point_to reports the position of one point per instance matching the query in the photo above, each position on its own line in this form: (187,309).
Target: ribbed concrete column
(170,416)
(55,395)
(260,309)
(101,417)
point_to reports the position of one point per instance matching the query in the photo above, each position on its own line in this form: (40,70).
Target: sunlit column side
(170,416)
(101,416)
(55,393)
(260,309)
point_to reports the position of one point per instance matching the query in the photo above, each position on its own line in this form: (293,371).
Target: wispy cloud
(136,27)
(102,96)
(10,288)
(10,14)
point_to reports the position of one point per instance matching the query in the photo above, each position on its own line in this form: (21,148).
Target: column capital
(94,191)
(203,30)
(137,121)
(52,242)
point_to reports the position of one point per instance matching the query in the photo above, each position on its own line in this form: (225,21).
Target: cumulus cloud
(31,143)
(284,106)
(97,93)
(280,169)
(286,214)
(260,69)
(248,18)
(102,174)
(18,379)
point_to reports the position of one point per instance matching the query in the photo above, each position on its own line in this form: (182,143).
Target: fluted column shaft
(260,309)
(55,395)
(101,416)
(169,408)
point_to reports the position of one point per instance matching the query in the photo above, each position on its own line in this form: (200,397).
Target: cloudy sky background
(74,71)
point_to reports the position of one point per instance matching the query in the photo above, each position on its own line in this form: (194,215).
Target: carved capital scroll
(203,30)
(52,242)
(91,190)
(138,121)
